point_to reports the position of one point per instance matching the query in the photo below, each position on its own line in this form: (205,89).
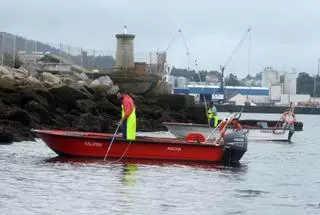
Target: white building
(181,82)
(290,83)
(282,85)
(177,82)
(171,80)
(270,77)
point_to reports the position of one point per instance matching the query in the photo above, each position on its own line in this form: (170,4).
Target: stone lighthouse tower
(125,52)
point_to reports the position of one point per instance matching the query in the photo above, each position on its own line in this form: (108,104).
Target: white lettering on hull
(93,144)
(174,148)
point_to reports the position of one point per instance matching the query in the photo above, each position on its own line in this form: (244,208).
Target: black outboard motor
(235,146)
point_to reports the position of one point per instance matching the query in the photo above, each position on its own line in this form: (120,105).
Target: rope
(125,152)
(170,43)
(238,46)
(186,46)
(184,43)
(114,135)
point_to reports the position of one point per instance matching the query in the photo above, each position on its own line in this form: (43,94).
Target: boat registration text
(174,148)
(94,144)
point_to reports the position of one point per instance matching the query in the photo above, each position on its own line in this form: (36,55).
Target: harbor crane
(223,67)
(179,33)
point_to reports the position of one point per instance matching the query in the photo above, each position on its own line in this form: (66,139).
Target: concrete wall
(286,99)
(275,93)
(259,99)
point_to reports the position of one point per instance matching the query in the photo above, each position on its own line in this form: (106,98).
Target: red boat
(87,144)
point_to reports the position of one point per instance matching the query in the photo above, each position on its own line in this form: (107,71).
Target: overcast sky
(285,33)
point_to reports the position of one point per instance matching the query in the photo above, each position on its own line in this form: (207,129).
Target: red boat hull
(96,145)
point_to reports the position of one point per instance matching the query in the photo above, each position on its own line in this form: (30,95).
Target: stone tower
(125,52)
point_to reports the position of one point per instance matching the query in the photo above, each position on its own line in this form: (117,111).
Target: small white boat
(181,130)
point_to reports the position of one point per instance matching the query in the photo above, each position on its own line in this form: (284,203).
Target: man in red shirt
(128,117)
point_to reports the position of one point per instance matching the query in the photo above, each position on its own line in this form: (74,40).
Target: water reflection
(132,164)
(129,174)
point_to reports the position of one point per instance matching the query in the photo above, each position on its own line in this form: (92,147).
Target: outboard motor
(235,146)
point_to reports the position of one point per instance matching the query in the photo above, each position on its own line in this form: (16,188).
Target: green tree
(202,75)
(232,80)
(189,74)
(305,84)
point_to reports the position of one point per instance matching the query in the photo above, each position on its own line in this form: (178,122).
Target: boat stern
(236,144)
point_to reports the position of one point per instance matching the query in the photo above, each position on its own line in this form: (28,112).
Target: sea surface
(273,178)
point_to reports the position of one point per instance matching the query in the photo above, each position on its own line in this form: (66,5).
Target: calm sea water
(274,178)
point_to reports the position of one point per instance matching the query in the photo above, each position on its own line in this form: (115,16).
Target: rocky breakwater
(45,101)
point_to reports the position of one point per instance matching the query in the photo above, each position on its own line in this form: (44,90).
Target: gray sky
(285,33)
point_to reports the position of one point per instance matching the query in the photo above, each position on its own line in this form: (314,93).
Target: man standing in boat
(212,115)
(128,116)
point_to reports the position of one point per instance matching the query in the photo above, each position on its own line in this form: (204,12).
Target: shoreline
(74,108)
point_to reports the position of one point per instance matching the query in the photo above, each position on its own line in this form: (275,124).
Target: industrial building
(277,87)
(212,92)
(282,86)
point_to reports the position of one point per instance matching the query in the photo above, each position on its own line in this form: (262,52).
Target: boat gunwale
(174,141)
(206,126)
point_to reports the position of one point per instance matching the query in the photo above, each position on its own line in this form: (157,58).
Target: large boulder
(13,131)
(38,109)
(32,79)
(88,122)
(102,81)
(103,91)
(18,115)
(49,79)
(21,73)
(5,72)
(113,90)
(68,81)
(7,85)
(12,73)
(67,96)
(86,105)
(81,83)
(105,106)
(30,82)
(27,94)
(81,76)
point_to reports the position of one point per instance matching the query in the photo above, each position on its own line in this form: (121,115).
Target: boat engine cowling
(236,140)
(235,145)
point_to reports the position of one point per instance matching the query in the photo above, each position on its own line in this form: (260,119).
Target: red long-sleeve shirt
(128,105)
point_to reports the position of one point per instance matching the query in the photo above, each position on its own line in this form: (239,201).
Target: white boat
(181,130)
(281,131)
